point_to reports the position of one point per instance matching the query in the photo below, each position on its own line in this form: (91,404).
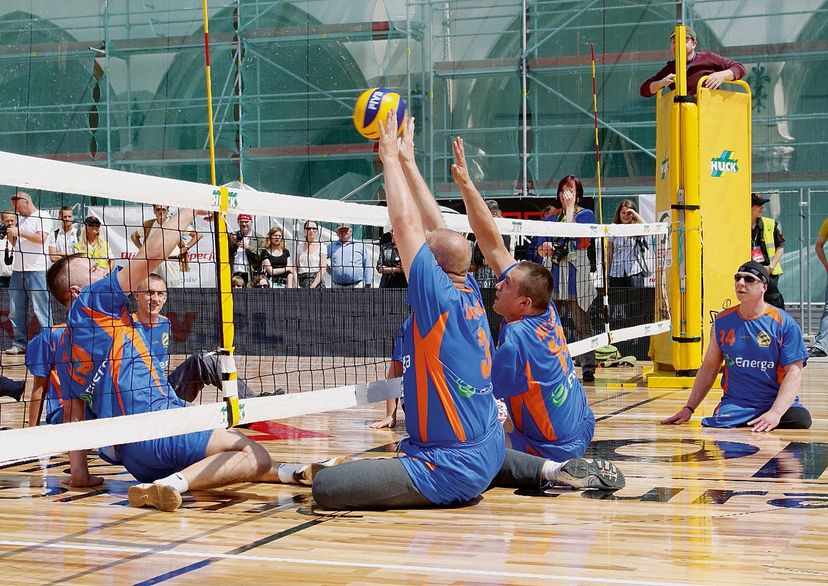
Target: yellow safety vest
(767,235)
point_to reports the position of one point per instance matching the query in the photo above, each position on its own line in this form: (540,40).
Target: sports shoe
(816,352)
(306,473)
(162,497)
(15,350)
(601,474)
(589,376)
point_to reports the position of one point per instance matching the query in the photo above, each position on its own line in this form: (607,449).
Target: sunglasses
(311,228)
(748,278)
(261,286)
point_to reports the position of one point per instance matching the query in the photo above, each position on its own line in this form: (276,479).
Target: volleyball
(372,108)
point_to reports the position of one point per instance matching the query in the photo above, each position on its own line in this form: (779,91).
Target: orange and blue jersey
(533,372)
(756,352)
(105,361)
(40,361)
(158,336)
(455,446)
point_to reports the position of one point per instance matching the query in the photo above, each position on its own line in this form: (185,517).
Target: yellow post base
(667,379)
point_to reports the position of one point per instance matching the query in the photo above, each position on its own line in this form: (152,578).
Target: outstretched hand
(389,144)
(459,170)
(407,142)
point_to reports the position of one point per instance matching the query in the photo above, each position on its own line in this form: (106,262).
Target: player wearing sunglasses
(763,353)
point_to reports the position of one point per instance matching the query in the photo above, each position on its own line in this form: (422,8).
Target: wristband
(689,408)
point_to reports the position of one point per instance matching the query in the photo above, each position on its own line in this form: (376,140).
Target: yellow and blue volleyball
(372,108)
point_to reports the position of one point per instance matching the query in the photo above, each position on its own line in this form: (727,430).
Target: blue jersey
(533,372)
(397,348)
(158,337)
(456,445)
(756,351)
(104,359)
(40,361)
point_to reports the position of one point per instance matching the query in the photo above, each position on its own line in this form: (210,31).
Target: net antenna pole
(604,241)
(222,197)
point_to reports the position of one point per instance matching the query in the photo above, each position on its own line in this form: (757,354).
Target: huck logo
(723,164)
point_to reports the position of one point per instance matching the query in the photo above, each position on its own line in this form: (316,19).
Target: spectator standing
(820,347)
(349,262)
(699,64)
(767,247)
(63,239)
(389,266)
(93,245)
(312,258)
(245,245)
(568,260)
(275,261)
(173,268)
(28,279)
(7,255)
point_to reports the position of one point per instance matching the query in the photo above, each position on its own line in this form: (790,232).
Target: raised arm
(403,212)
(155,250)
(482,223)
(430,214)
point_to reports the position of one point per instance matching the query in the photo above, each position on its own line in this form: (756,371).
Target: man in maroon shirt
(699,64)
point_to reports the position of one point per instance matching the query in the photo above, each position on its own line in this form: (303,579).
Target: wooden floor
(701,506)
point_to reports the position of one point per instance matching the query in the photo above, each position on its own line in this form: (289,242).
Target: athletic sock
(176,481)
(550,469)
(287,473)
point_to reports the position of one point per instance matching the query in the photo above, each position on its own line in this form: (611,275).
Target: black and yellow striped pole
(229,375)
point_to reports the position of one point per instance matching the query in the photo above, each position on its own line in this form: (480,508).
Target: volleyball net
(317,299)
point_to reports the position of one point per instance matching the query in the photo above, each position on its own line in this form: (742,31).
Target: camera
(4,230)
(560,250)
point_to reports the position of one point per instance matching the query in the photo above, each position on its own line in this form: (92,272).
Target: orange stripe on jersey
(116,355)
(427,366)
(773,312)
(728,311)
(144,353)
(532,399)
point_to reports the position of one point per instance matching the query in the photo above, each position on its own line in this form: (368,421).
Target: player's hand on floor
(683,416)
(88,481)
(765,422)
(389,422)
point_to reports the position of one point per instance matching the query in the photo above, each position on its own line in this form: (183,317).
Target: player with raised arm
(103,362)
(532,369)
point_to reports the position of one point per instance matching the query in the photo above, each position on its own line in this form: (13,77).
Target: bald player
(103,363)
(456,446)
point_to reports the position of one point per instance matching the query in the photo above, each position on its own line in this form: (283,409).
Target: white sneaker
(162,497)
(601,474)
(306,473)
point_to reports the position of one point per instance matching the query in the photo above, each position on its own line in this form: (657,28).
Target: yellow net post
(222,199)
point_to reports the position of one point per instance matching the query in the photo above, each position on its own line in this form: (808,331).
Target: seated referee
(103,361)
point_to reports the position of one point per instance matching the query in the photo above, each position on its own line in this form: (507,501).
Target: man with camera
(28,280)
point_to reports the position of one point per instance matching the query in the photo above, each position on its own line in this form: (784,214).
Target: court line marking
(351,564)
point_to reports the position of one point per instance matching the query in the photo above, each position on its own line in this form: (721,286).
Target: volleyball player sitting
(532,369)
(197,370)
(102,361)
(455,446)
